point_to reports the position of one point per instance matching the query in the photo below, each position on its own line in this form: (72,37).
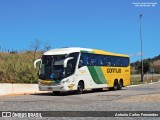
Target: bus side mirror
(35,62)
(66,61)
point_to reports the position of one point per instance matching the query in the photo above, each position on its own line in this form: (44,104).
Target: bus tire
(120,85)
(56,92)
(80,87)
(115,86)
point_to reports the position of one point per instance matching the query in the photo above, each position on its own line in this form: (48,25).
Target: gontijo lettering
(113,70)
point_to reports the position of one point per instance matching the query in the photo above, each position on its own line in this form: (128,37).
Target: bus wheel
(120,84)
(115,87)
(80,88)
(56,92)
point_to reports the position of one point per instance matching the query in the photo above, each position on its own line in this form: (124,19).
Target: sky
(110,25)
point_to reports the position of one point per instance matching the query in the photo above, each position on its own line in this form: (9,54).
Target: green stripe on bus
(94,74)
(97,75)
(100,75)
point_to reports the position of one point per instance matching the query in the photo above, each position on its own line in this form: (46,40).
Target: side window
(114,61)
(101,60)
(75,57)
(108,61)
(81,61)
(105,60)
(126,62)
(72,63)
(93,59)
(121,62)
(84,59)
(118,61)
(88,59)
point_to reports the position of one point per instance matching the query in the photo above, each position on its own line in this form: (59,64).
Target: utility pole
(141,47)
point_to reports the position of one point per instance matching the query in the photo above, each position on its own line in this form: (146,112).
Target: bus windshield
(52,66)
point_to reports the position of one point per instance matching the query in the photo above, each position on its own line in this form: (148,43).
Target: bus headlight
(66,80)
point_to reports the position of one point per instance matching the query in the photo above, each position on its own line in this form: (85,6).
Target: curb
(143,84)
(12,94)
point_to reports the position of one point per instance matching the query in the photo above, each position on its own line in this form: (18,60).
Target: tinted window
(121,61)
(71,65)
(89,59)
(126,62)
(93,59)
(109,61)
(114,61)
(84,59)
(101,60)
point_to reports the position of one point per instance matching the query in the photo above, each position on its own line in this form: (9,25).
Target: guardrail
(9,88)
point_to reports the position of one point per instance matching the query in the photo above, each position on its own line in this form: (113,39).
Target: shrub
(18,68)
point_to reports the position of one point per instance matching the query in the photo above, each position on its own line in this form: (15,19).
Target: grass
(18,67)
(147,79)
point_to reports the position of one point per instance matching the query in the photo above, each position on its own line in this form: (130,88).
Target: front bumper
(51,88)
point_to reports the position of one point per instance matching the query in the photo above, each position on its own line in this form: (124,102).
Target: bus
(78,69)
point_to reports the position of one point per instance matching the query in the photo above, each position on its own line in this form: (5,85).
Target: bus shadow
(70,93)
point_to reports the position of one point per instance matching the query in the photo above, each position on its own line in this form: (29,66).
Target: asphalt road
(137,98)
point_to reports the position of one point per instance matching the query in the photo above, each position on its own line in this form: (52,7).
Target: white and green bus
(79,69)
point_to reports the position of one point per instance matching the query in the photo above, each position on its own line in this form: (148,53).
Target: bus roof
(61,51)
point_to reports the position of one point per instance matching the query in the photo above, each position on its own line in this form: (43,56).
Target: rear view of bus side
(68,69)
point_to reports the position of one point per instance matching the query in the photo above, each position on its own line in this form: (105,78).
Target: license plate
(49,88)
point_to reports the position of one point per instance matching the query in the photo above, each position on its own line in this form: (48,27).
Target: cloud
(139,54)
(135,54)
(131,54)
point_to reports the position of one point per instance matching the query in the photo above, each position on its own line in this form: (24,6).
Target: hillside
(154,63)
(18,67)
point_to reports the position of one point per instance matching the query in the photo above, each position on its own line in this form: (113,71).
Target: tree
(47,46)
(36,45)
(146,66)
